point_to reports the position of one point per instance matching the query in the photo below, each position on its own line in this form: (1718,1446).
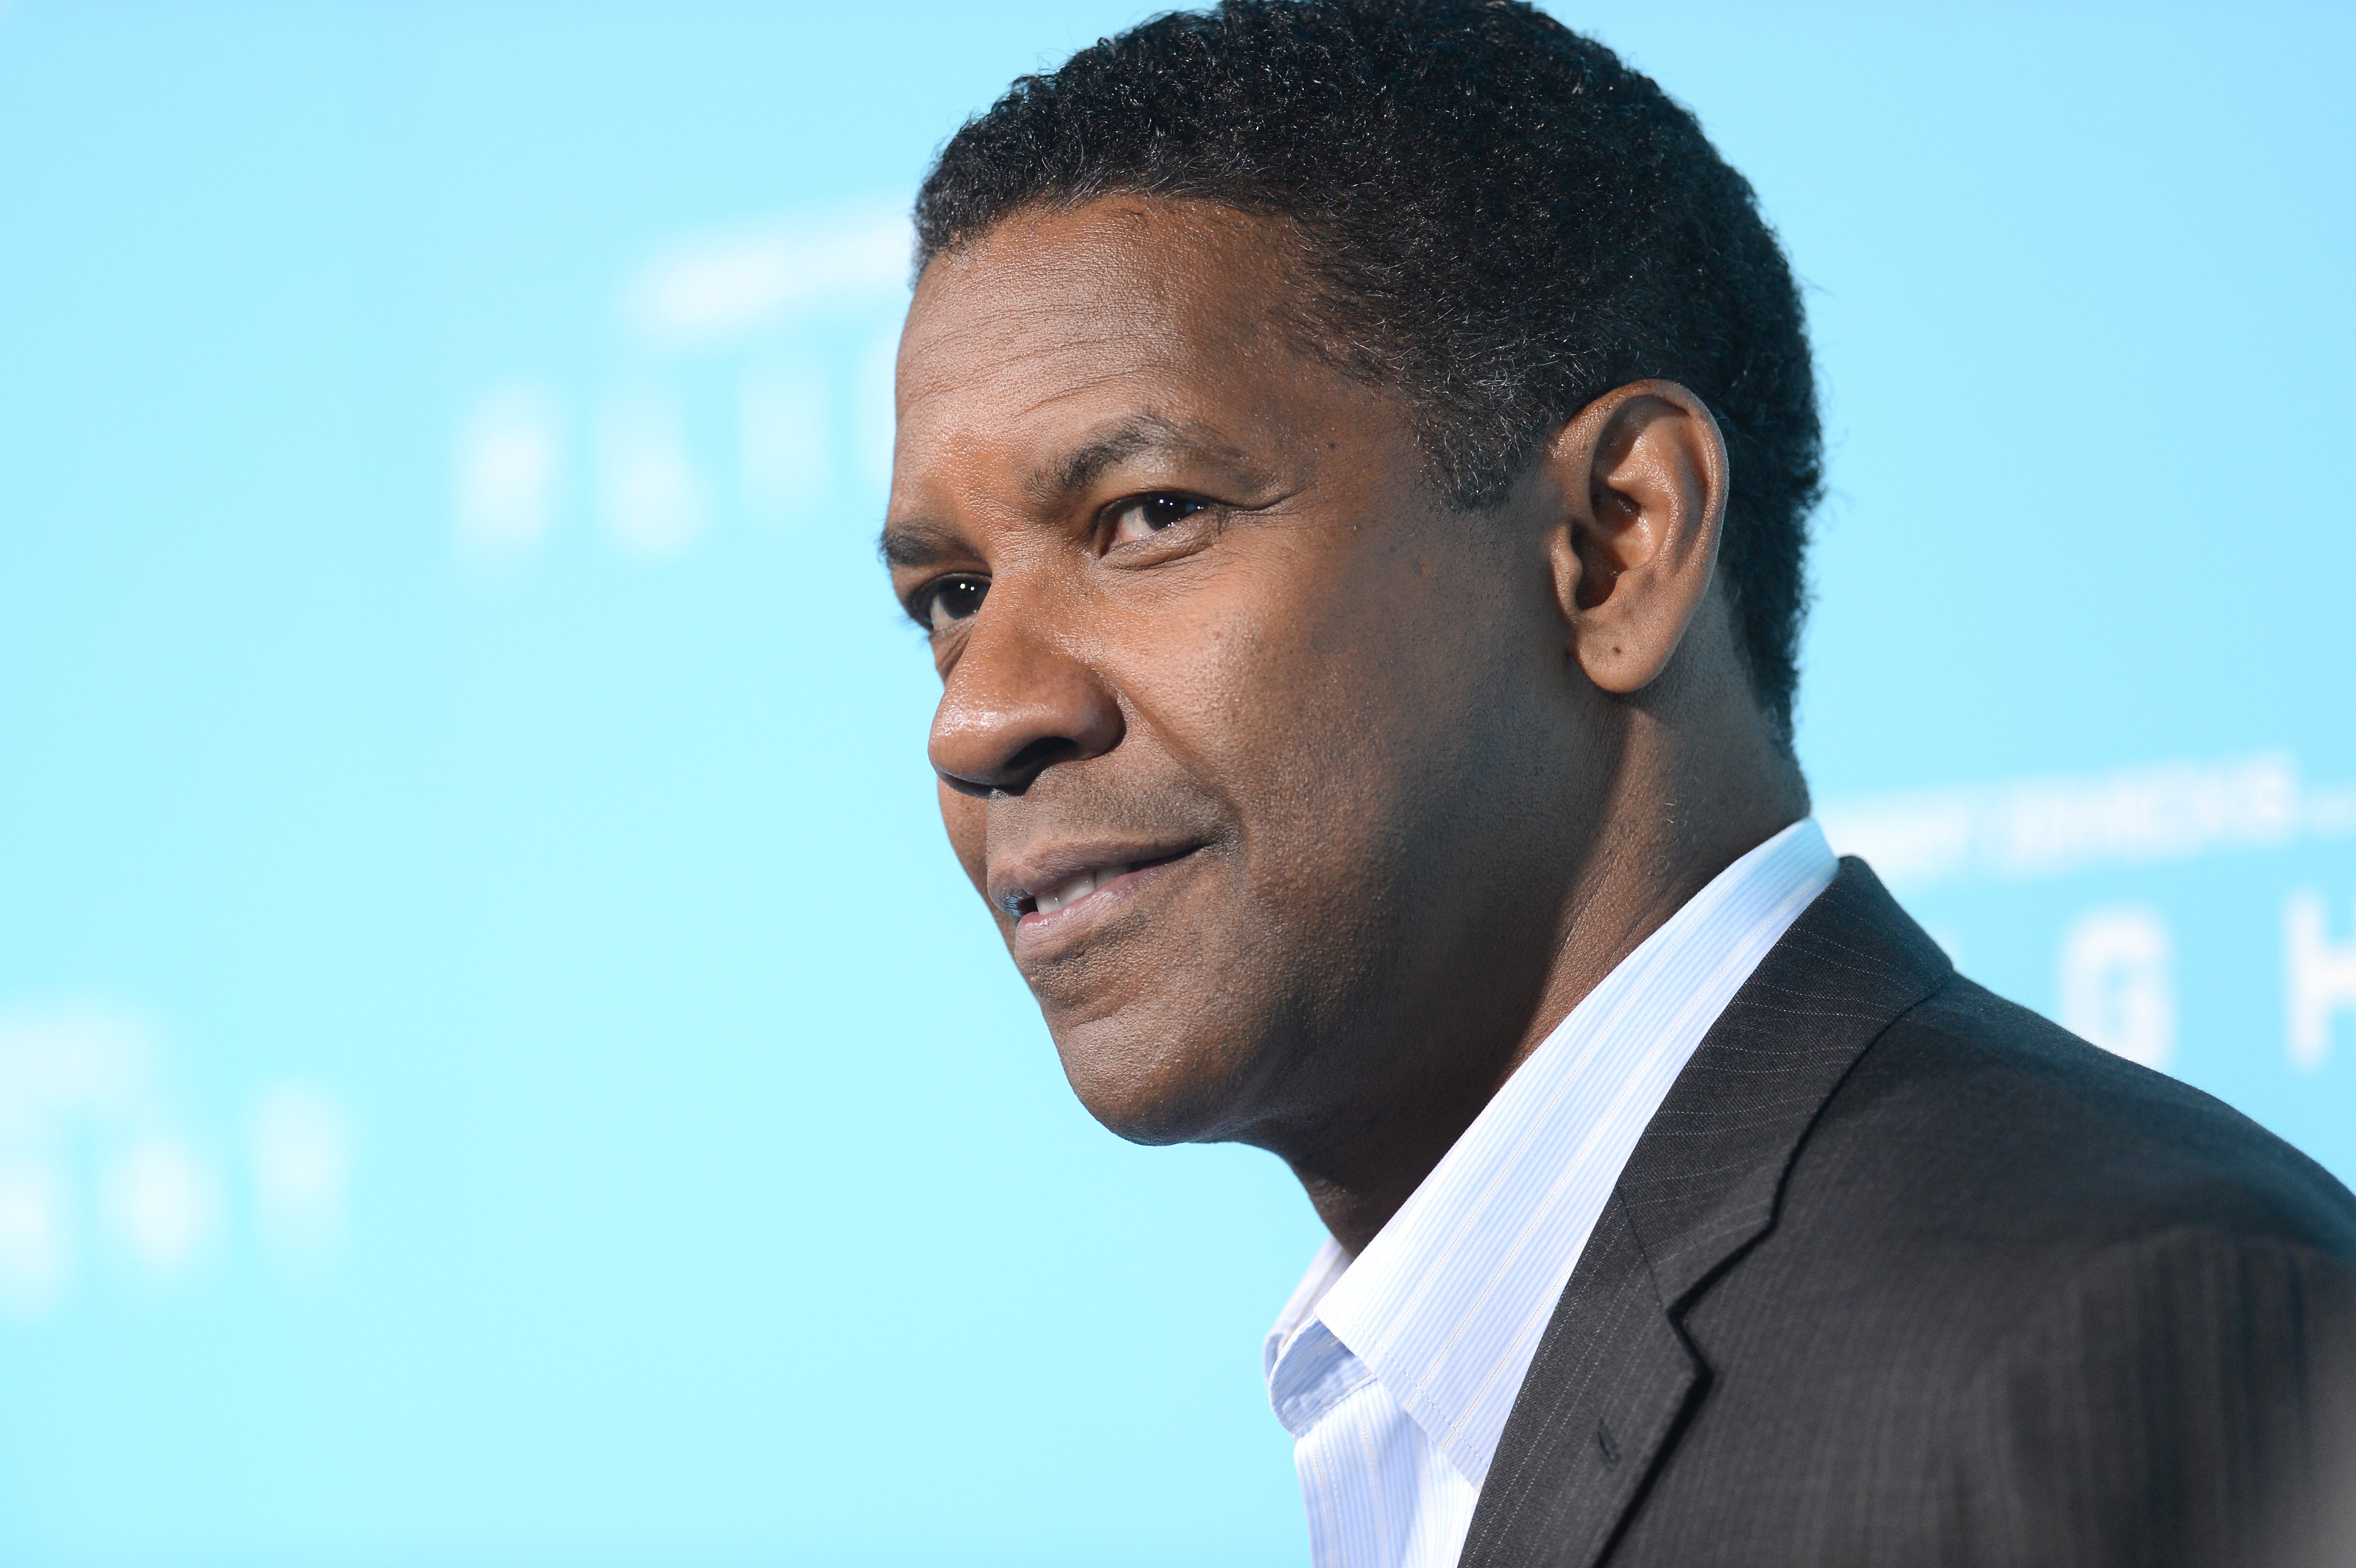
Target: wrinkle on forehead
(1216,277)
(1065,343)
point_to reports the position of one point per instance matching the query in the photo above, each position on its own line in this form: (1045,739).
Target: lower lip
(1035,932)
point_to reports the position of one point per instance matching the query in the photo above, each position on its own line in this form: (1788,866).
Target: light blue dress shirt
(1394,1372)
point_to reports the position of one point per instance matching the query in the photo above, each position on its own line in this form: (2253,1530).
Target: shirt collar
(1318,1370)
(1446,1304)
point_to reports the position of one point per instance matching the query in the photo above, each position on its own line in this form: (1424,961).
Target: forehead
(1114,269)
(1059,321)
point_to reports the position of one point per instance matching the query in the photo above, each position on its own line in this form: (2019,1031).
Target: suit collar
(1446,1305)
(1613,1373)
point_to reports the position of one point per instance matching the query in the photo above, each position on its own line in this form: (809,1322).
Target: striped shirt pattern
(1395,1371)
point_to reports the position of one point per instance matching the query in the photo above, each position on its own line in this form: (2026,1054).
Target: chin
(1158,1085)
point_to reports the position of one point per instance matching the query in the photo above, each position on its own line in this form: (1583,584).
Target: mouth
(1069,894)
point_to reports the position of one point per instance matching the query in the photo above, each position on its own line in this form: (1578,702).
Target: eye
(940,605)
(1141,517)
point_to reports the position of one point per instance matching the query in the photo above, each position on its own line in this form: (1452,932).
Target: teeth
(1069,893)
(1066,894)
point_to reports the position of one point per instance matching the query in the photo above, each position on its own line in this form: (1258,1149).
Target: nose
(1018,701)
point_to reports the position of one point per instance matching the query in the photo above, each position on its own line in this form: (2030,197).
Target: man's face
(1263,757)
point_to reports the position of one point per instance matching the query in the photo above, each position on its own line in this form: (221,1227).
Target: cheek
(1323,669)
(1293,714)
(1355,732)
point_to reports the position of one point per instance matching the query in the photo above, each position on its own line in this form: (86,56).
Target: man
(1352,465)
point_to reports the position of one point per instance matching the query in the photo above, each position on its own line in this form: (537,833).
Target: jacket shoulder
(1999,1121)
(1997,1255)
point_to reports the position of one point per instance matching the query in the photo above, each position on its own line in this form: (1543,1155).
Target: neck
(1674,824)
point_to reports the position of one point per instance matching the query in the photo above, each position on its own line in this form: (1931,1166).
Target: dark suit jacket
(1902,1273)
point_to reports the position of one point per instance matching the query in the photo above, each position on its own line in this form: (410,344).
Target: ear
(1642,474)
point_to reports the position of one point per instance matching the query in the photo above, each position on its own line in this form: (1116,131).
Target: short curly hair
(1500,221)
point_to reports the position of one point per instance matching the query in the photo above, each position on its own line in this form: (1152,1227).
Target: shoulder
(1977,1168)
(2009,1298)
(2019,1291)
(1984,1120)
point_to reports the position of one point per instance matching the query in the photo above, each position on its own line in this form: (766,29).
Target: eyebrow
(1136,436)
(1132,437)
(916,543)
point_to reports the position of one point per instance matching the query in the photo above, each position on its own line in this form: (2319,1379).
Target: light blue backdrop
(496,1063)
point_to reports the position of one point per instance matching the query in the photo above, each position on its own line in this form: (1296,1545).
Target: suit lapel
(1599,1404)
(1614,1375)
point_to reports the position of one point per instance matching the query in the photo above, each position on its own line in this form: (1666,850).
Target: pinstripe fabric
(1899,1273)
(1395,1372)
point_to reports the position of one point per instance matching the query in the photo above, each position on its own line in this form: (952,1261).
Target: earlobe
(1642,472)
